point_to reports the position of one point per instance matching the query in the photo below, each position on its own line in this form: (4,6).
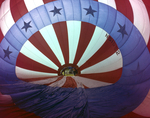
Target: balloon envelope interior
(73,45)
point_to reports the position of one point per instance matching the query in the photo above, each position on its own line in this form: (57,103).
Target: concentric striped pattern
(36,53)
(81,44)
(135,10)
(65,50)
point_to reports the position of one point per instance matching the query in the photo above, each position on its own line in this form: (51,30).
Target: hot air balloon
(74,58)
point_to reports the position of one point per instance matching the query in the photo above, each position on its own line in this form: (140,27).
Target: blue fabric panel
(27,17)
(91,17)
(76,10)
(135,53)
(49,7)
(2,80)
(109,96)
(37,19)
(59,5)
(20,37)
(128,29)
(85,4)
(123,21)
(146,74)
(131,43)
(13,41)
(93,20)
(102,15)
(19,86)
(130,80)
(138,65)
(7,76)
(116,35)
(5,66)
(135,79)
(22,96)
(111,19)
(11,58)
(6,79)
(30,30)
(72,102)
(44,15)
(5,44)
(85,103)
(55,17)
(2,54)
(69,13)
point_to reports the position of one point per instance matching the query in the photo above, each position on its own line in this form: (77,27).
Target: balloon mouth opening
(69,70)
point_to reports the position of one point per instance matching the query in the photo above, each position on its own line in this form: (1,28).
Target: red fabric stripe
(9,110)
(1,35)
(59,78)
(38,41)
(70,83)
(62,35)
(147,4)
(1,2)
(12,111)
(47,1)
(86,34)
(18,9)
(110,77)
(133,115)
(27,63)
(107,49)
(125,8)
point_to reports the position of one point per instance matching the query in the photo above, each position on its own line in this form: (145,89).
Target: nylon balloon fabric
(74,59)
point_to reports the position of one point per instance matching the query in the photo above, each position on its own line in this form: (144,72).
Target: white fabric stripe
(79,84)
(89,82)
(4,27)
(28,74)
(32,4)
(109,2)
(74,28)
(141,19)
(50,37)
(45,81)
(146,32)
(6,19)
(33,53)
(98,39)
(59,83)
(111,63)
(4,8)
